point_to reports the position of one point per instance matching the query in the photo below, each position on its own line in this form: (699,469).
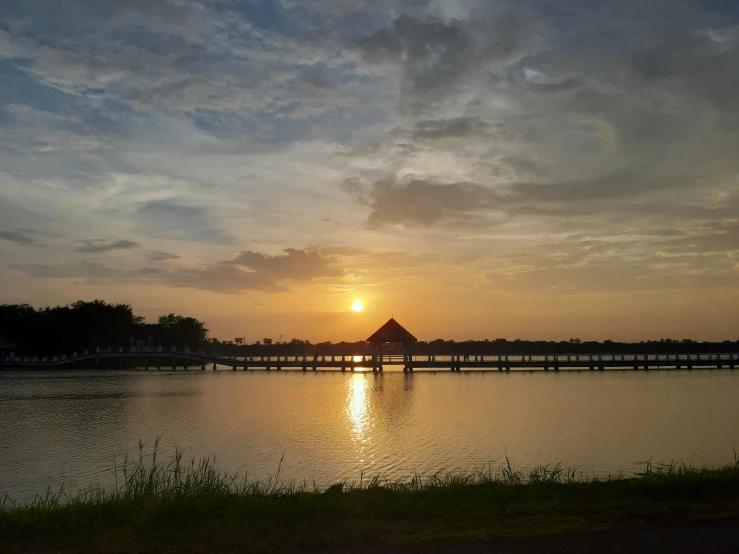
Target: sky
(475,168)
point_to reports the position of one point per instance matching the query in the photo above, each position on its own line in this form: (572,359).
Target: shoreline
(193,507)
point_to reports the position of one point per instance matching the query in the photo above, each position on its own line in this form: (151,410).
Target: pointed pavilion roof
(392,331)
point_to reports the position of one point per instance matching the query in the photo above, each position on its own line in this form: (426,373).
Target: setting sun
(358,306)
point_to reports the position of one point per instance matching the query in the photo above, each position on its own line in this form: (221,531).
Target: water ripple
(68,426)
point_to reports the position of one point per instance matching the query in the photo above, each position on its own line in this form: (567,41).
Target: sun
(358,306)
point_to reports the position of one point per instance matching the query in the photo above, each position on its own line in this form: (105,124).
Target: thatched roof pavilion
(392,331)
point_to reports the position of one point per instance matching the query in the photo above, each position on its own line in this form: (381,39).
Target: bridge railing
(521,359)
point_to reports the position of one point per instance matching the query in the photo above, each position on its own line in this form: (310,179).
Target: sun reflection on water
(358,415)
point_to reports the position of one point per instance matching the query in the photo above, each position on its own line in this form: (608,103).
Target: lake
(66,426)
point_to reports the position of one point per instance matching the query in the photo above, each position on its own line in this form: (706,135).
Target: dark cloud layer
(179,220)
(258,271)
(450,128)
(25,238)
(99,246)
(439,57)
(161,256)
(247,271)
(419,202)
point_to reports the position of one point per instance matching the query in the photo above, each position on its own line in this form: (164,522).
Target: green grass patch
(193,507)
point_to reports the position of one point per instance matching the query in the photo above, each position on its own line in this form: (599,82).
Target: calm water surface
(67,426)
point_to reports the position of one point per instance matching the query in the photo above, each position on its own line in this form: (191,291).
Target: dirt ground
(721,537)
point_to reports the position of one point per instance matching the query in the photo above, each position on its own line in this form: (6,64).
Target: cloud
(701,258)
(90,272)
(717,237)
(550,88)
(555,147)
(450,128)
(161,256)
(249,270)
(701,63)
(176,219)
(319,84)
(605,280)
(421,202)
(439,57)
(24,237)
(98,246)
(293,264)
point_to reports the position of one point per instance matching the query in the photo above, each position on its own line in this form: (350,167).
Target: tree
(267,342)
(177,330)
(75,327)
(239,341)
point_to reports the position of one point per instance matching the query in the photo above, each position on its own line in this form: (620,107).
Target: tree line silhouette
(87,325)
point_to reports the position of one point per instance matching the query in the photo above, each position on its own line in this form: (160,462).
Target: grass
(191,506)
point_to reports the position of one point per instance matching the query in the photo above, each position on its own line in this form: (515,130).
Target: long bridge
(185,359)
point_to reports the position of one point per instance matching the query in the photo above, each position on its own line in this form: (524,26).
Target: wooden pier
(141,356)
(176,360)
